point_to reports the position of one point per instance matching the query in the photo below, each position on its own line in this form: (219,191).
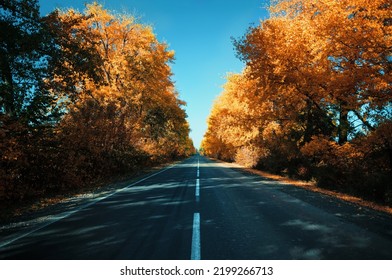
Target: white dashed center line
(195,250)
(195,253)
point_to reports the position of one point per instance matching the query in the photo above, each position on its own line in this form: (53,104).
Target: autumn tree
(135,78)
(95,99)
(321,92)
(235,120)
(303,50)
(26,106)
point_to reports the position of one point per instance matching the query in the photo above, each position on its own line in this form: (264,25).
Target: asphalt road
(200,209)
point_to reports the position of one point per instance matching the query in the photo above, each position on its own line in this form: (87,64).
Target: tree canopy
(314,96)
(84,95)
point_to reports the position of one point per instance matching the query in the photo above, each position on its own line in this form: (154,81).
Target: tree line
(314,100)
(84,96)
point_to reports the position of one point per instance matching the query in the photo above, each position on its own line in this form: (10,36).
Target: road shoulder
(310,186)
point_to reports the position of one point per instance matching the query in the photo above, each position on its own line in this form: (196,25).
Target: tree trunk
(344,124)
(8,88)
(309,123)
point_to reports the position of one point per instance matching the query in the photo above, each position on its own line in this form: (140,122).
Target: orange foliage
(135,89)
(314,99)
(110,82)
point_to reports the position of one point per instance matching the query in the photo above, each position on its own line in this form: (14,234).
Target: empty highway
(202,209)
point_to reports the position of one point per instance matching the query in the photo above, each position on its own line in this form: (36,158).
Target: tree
(94,99)
(333,57)
(235,118)
(23,63)
(132,75)
(321,79)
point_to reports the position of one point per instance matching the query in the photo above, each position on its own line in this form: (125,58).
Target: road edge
(310,186)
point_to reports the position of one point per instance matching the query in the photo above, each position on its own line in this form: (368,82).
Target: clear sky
(199,31)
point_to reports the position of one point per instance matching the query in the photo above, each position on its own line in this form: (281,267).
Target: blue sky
(199,31)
